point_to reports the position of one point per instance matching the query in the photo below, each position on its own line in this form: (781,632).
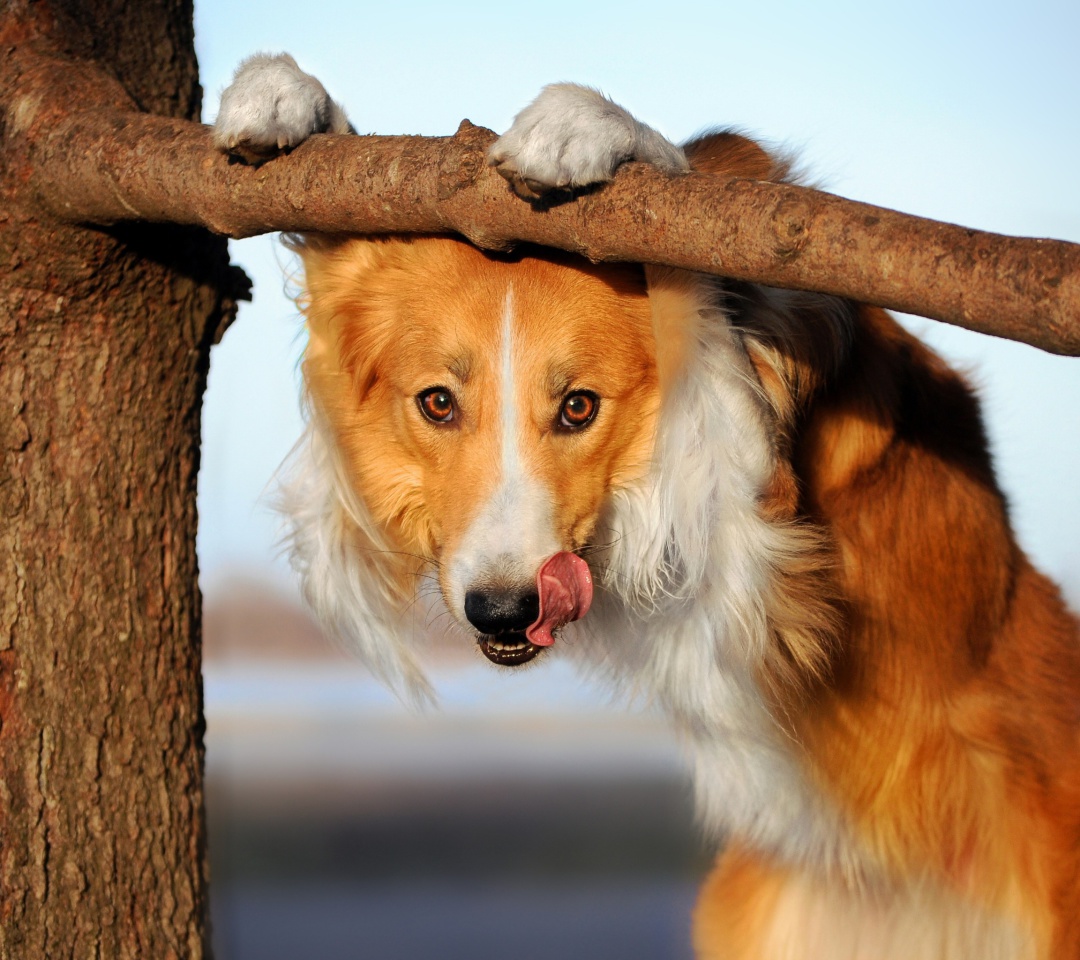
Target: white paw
(271,106)
(573,136)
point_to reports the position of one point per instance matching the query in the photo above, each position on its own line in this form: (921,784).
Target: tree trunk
(104,348)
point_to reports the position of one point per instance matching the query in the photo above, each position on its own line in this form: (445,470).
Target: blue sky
(964,112)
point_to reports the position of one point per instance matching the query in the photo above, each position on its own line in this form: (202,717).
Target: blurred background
(529,815)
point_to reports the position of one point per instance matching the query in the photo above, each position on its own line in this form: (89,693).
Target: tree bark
(104,348)
(107,166)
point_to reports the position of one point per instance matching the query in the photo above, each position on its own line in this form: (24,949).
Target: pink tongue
(564,583)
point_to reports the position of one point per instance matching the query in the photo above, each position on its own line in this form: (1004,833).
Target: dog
(772,512)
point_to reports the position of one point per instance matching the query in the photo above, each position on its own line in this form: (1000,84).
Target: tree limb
(106,164)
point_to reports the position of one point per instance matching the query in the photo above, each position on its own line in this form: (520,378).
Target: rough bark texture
(106,166)
(104,346)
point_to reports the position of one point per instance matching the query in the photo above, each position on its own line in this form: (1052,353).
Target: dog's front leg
(272,106)
(573,136)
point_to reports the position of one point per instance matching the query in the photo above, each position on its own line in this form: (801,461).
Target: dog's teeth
(503,646)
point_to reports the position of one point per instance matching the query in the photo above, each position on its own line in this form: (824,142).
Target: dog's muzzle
(502,617)
(515,625)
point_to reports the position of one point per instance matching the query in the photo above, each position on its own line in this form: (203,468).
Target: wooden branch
(105,165)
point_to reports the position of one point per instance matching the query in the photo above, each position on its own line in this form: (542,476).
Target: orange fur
(928,677)
(390,317)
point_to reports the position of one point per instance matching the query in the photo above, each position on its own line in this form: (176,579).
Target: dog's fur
(789,511)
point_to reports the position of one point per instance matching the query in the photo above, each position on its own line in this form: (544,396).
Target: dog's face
(483,409)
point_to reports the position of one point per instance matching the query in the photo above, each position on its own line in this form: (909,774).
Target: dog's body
(789,513)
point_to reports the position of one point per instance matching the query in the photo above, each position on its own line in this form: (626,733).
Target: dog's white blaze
(513,532)
(511,458)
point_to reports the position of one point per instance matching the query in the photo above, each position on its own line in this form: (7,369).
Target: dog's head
(480,410)
(487,434)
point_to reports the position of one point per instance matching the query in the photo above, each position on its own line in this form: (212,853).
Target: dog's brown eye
(578,410)
(437,404)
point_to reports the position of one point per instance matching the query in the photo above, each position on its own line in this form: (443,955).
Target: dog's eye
(578,410)
(437,404)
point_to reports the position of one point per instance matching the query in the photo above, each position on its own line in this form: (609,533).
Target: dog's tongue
(564,583)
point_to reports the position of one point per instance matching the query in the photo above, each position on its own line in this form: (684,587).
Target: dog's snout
(502,611)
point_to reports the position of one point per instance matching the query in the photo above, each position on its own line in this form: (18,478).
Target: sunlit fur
(390,318)
(799,549)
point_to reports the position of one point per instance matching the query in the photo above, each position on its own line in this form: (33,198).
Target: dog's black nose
(502,611)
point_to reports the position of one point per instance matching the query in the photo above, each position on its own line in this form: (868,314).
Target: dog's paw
(271,106)
(573,136)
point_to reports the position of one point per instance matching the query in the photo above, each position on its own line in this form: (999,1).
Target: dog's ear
(346,333)
(700,524)
(350,577)
(796,341)
(713,450)
(353,575)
